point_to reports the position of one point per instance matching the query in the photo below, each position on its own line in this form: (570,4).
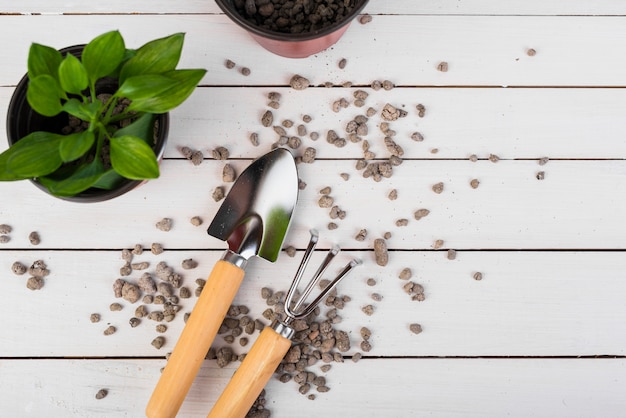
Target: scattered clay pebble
(164,224)
(438,188)
(405,274)
(254,139)
(267,119)
(371,282)
(387,85)
(94,317)
(494,158)
(387,235)
(541,175)
(291,251)
(478,276)
(158,342)
(393,194)
(402,222)
(474,183)
(415,328)
(18,268)
(245,71)
(451,254)
(332,226)
(110,330)
(130,292)
(376,297)
(189,264)
(442,66)
(309,155)
(325,201)
(342,63)
(220,153)
(531,52)
(184,293)
(34,283)
(117,287)
(368,310)
(380,252)
(365,18)
(421,110)
(361,235)
(228,174)
(140,266)
(114,307)
(137,249)
(156,248)
(298,82)
(102,393)
(34,238)
(345,176)
(543,161)
(218,193)
(473,158)
(197,157)
(5,229)
(229,64)
(134,322)
(438,244)
(146,284)
(161,328)
(4,239)
(127,255)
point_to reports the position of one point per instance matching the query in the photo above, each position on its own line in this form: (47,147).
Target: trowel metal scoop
(253,219)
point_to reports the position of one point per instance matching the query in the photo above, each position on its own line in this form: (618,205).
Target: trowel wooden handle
(195,340)
(252,375)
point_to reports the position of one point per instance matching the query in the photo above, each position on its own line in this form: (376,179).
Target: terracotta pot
(292,45)
(23,120)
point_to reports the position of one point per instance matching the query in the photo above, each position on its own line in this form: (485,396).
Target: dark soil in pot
(23,120)
(293,28)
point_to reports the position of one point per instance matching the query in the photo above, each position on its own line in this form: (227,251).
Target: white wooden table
(542,334)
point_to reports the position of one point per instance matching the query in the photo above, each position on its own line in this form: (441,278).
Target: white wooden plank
(528,123)
(446,7)
(527,304)
(568,49)
(576,206)
(433,387)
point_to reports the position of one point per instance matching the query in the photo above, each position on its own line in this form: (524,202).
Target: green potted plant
(89,122)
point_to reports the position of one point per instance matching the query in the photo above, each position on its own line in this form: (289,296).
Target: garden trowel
(253,219)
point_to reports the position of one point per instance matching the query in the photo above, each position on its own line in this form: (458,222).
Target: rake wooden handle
(252,375)
(195,340)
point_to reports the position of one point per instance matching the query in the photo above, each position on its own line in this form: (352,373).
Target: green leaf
(76,145)
(81,180)
(109,180)
(133,158)
(84,111)
(163,96)
(155,57)
(37,154)
(43,95)
(103,55)
(143,87)
(72,75)
(43,60)
(142,128)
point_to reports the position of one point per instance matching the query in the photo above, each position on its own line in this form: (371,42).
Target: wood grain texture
(551,251)
(527,304)
(480,50)
(434,387)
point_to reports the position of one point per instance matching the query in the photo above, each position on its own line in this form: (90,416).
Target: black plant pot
(23,120)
